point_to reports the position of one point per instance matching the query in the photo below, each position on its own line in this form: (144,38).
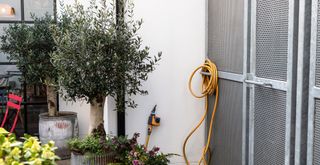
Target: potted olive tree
(98,57)
(30,47)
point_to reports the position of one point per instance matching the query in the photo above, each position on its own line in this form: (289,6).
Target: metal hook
(205,73)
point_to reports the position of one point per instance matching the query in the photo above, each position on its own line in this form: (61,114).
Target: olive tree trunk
(96,113)
(52,100)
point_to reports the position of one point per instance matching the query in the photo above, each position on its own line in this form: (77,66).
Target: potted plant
(98,149)
(92,149)
(30,47)
(98,57)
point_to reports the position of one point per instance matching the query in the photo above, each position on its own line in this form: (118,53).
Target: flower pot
(77,159)
(59,129)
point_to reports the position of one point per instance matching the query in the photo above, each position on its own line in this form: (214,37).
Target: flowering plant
(140,156)
(136,154)
(13,152)
(123,150)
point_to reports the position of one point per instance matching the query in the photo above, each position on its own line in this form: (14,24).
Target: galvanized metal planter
(59,129)
(77,159)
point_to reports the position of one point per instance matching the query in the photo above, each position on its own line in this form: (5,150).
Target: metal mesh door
(313,139)
(259,52)
(271,63)
(270,80)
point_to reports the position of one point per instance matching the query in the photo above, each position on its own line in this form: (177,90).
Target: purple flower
(156,149)
(151,153)
(136,135)
(135,162)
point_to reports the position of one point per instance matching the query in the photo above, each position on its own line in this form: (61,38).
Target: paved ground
(64,162)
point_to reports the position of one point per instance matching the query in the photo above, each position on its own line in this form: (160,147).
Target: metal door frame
(303,60)
(278,85)
(314,92)
(245,98)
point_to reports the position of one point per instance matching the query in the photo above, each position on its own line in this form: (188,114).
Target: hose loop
(209,87)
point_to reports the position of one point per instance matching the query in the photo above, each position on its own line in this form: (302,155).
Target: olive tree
(30,47)
(97,56)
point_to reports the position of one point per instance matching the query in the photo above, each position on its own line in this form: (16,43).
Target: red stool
(13,103)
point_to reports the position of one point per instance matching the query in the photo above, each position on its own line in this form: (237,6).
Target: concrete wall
(177,28)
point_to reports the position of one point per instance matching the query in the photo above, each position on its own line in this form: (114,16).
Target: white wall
(83,110)
(177,28)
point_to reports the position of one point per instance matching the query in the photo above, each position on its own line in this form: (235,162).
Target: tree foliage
(30,46)
(97,56)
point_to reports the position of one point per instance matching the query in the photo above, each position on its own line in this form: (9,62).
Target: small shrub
(13,152)
(89,144)
(124,151)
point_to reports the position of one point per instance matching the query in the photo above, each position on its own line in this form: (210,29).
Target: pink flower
(135,154)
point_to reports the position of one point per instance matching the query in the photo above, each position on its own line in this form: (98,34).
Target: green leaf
(3,131)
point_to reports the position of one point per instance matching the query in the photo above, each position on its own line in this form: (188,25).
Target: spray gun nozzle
(153,112)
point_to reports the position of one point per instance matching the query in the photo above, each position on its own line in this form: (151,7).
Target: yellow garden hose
(209,86)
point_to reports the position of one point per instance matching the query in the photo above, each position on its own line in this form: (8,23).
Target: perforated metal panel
(316,143)
(316,138)
(269,126)
(317,78)
(227,134)
(225,48)
(225,34)
(272,39)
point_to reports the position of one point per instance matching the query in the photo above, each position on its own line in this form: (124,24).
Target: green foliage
(3,131)
(30,46)
(97,57)
(123,150)
(88,145)
(13,152)
(82,56)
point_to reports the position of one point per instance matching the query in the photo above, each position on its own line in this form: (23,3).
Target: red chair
(14,102)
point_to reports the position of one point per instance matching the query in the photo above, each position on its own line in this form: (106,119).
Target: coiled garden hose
(209,86)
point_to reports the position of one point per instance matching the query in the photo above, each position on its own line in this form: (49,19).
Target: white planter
(59,129)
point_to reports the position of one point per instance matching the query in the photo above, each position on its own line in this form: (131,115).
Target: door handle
(258,83)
